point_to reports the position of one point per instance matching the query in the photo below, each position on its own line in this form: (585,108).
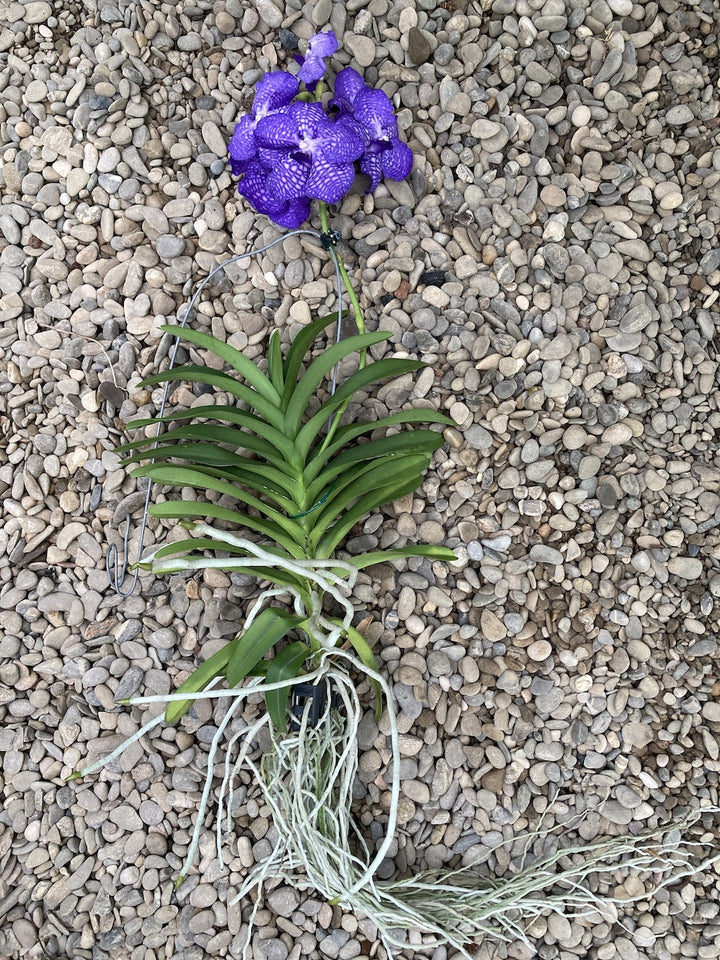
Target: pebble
(539,650)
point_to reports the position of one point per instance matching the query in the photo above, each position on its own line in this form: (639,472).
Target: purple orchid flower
(308,155)
(313,63)
(369,114)
(290,213)
(273,92)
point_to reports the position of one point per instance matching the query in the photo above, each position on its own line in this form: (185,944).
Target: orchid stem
(357,309)
(359,322)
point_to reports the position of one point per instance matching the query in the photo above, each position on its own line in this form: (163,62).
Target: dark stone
(288,40)
(432,278)
(419,48)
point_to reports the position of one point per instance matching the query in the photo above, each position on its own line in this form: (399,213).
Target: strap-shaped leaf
(284,666)
(415,441)
(198,680)
(177,476)
(275,363)
(364,560)
(270,445)
(224,414)
(252,483)
(299,347)
(205,453)
(271,625)
(318,369)
(345,434)
(366,479)
(182,510)
(389,494)
(234,358)
(222,381)
(218,462)
(373,373)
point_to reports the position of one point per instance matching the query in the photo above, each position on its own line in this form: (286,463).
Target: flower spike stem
(357,309)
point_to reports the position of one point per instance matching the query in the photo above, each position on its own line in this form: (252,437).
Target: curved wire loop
(117,569)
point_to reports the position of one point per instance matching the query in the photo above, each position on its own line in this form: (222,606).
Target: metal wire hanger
(116,569)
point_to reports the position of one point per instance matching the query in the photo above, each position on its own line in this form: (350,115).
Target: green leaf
(198,680)
(345,434)
(314,374)
(386,448)
(365,482)
(373,373)
(364,560)
(272,440)
(286,665)
(270,626)
(270,444)
(377,498)
(183,510)
(234,358)
(222,381)
(362,649)
(176,476)
(299,347)
(218,462)
(275,363)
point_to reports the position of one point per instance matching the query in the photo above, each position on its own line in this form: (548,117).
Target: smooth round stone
(574,437)
(35,92)
(362,48)
(553,196)
(671,201)
(541,553)
(621,8)
(539,650)
(581,116)
(690,568)
(617,434)
(711,711)
(589,467)
(680,115)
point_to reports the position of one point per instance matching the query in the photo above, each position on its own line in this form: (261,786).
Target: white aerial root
(306,778)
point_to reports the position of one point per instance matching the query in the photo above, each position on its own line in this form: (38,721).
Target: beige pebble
(539,650)
(617,434)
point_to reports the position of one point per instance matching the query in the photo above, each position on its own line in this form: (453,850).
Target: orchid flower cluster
(290,150)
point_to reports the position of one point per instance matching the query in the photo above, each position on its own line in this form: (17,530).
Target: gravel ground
(555,259)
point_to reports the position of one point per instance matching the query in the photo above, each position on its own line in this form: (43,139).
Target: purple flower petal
(348,85)
(397,162)
(293,214)
(339,144)
(274,90)
(242,146)
(371,165)
(329,181)
(254,188)
(286,213)
(375,112)
(239,167)
(278,131)
(287,179)
(322,44)
(311,71)
(310,119)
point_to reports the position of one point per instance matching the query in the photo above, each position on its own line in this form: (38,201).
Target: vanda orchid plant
(302,479)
